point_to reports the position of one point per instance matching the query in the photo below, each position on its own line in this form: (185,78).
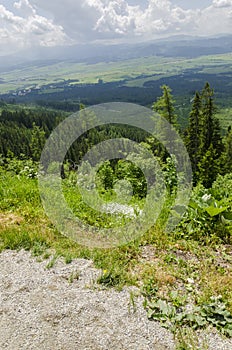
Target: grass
(135,71)
(163,266)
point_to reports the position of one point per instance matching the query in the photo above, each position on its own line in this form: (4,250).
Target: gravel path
(42,309)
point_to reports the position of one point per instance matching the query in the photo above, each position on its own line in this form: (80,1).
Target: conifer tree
(211,131)
(193,138)
(208,110)
(37,142)
(208,167)
(204,140)
(211,139)
(165,105)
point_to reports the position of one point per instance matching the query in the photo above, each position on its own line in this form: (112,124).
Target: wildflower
(206,197)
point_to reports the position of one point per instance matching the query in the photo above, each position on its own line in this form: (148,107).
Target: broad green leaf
(213,211)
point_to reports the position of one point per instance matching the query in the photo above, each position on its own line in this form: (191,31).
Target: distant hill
(177,46)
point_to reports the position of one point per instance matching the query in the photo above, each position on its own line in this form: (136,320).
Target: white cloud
(24,7)
(120,19)
(90,20)
(222,3)
(78,18)
(116,17)
(50,23)
(161,17)
(215,19)
(27,28)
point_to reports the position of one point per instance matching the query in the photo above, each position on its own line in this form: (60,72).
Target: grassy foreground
(172,271)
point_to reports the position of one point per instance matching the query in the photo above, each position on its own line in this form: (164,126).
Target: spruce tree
(207,123)
(211,131)
(165,106)
(193,138)
(37,142)
(211,144)
(204,141)
(208,167)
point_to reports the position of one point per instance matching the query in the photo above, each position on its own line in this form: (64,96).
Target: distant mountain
(177,46)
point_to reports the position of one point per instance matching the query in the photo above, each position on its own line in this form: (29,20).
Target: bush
(20,166)
(210,212)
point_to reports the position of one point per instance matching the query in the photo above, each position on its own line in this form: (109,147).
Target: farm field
(135,72)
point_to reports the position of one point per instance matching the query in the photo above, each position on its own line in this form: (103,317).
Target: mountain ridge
(177,46)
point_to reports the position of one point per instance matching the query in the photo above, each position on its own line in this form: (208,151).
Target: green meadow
(135,71)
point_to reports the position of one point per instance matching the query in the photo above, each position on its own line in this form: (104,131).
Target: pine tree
(207,118)
(37,142)
(204,140)
(211,131)
(211,144)
(208,167)
(165,105)
(193,138)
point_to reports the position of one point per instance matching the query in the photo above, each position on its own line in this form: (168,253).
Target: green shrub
(210,212)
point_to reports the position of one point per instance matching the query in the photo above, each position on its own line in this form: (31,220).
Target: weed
(52,261)
(132,303)
(212,313)
(75,275)
(175,270)
(186,339)
(68,259)
(110,278)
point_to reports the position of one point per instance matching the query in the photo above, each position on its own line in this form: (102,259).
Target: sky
(50,23)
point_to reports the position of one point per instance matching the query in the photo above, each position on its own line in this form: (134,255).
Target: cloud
(116,17)
(51,23)
(90,20)
(26,28)
(78,18)
(161,17)
(216,19)
(222,3)
(24,7)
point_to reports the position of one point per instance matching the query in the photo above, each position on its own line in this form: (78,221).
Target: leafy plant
(75,275)
(109,278)
(209,213)
(20,166)
(173,316)
(150,288)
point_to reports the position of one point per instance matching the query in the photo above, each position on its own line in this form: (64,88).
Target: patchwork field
(135,72)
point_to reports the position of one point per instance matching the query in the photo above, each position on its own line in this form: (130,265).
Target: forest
(196,255)
(23,133)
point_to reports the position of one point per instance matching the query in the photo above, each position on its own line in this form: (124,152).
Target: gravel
(63,308)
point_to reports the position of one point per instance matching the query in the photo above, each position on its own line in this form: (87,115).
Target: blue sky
(36,23)
(185,4)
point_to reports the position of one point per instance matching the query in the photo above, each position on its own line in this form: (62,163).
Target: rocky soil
(63,308)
